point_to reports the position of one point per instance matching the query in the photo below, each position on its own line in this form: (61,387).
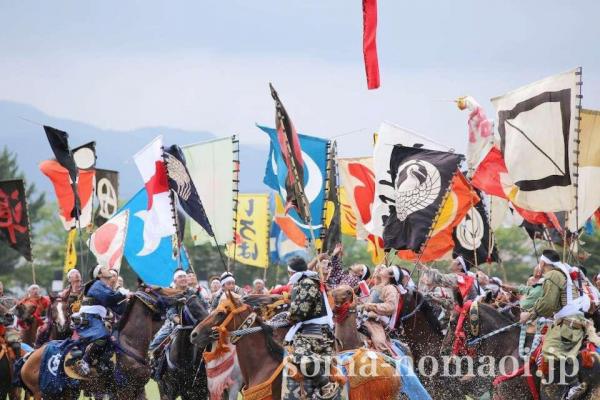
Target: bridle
(221,332)
(343,311)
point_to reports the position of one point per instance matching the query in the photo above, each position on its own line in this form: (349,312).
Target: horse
(505,344)
(346,334)
(258,348)
(6,370)
(27,320)
(423,332)
(185,373)
(131,339)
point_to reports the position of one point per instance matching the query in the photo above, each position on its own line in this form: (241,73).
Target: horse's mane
(125,316)
(274,348)
(258,300)
(496,315)
(428,310)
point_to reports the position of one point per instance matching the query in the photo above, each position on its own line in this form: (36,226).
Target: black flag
(14,220)
(107,191)
(181,183)
(59,142)
(472,237)
(332,234)
(85,156)
(289,143)
(419,180)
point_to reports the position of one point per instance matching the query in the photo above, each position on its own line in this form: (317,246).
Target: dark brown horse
(6,358)
(133,335)
(507,344)
(185,373)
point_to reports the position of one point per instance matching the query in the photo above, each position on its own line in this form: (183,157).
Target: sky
(205,65)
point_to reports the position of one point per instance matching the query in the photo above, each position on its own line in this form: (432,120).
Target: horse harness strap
(264,390)
(248,322)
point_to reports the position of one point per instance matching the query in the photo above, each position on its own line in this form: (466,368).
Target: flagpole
(173,210)
(33,271)
(579,73)
(437,216)
(236,200)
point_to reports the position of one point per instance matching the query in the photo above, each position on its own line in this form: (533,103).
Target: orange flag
(461,198)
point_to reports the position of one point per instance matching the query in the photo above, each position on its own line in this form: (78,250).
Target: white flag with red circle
(108,241)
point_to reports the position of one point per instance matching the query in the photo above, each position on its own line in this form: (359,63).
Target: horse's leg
(30,372)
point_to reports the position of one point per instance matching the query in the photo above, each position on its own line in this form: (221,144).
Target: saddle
(98,367)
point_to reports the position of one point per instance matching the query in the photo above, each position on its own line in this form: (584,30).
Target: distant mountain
(19,130)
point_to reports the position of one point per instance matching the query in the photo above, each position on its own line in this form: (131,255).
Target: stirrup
(329,391)
(577,391)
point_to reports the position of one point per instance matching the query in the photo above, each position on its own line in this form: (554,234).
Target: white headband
(547,260)
(179,273)
(228,279)
(396,272)
(257,281)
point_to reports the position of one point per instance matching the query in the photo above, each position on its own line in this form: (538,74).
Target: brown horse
(260,349)
(344,312)
(58,322)
(133,335)
(27,321)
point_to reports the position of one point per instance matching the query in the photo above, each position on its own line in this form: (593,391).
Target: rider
(312,335)
(98,296)
(459,278)
(180,282)
(561,300)
(227,285)
(382,308)
(71,295)
(11,334)
(41,302)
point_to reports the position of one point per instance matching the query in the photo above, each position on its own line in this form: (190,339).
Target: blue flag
(157,267)
(314,155)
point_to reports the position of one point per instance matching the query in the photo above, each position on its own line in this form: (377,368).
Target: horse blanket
(53,379)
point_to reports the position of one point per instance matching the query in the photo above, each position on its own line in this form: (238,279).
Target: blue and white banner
(154,263)
(314,155)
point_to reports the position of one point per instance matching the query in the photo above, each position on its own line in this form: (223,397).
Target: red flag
(370,43)
(65,196)
(488,176)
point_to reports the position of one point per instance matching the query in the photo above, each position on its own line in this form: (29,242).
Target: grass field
(151,392)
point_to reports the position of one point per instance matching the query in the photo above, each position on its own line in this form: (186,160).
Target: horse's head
(59,314)
(342,294)
(222,319)
(6,316)
(24,311)
(195,310)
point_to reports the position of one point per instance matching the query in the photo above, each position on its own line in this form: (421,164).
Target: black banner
(107,191)
(419,179)
(14,220)
(472,237)
(181,183)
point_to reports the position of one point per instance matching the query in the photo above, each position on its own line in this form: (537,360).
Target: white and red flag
(158,218)
(108,241)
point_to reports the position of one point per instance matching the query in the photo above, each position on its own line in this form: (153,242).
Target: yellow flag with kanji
(251,240)
(70,253)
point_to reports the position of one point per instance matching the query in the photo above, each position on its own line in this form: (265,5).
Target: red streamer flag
(370,43)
